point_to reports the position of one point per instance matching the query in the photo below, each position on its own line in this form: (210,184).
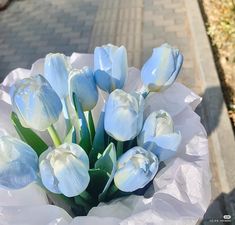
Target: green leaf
(91,125)
(71,136)
(98,180)
(85,141)
(107,162)
(99,140)
(28,136)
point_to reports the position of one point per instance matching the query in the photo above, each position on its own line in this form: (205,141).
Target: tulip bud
(18,163)
(35,102)
(110,66)
(82,83)
(64,170)
(56,70)
(124,115)
(158,135)
(162,68)
(135,169)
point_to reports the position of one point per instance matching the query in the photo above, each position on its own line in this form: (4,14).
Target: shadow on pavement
(210,108)
(221,210)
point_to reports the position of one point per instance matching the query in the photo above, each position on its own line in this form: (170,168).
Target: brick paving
(30,29)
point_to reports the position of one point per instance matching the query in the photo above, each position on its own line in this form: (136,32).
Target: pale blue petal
(110,66)
(82,83)
(162,68)
(65,169)
(157,123)
(76,150)
(48,177)
(103,80)
(56,70)
(102,60)
(165,146)
(123,115)
(72,175)
(176,72)
(18,163)
(46,172)
(129,179)
(135,169)
(158,135)
(119,67)
(34,100)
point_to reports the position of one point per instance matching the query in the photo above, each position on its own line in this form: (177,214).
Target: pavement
(30,29)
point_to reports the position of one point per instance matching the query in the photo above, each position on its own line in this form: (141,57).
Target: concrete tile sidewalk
(30,29)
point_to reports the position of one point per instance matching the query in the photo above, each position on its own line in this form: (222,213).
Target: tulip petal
(135,169)
(176,72)
(164,146)
(162,68)
(110,66)
(18,163)
(82,83)
(56,70)
(124,115)
(47,174)
(65,169)
(119,67)
(34,100)
(101,59)
(72,175)
(157,123)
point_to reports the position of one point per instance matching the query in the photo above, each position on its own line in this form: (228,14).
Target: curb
(221,137)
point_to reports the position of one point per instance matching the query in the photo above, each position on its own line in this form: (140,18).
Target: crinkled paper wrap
(180,192)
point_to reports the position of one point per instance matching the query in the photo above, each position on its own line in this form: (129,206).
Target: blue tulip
(124,115)
(110,66)
(135,169)
(158,135)
(82,83)
(18,163)
(35,102)
(162,68)
(56,71)
(64,170)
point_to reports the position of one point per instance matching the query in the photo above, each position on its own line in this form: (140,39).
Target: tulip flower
(18,163)
(110,66)
(82,83)
(56,71)
(158,135)
(35,102)
(124,115)
(162,68)
(64,170)
(135,169)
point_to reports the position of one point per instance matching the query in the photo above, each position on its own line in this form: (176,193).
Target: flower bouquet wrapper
(179,194)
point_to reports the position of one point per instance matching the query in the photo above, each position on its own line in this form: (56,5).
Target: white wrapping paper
(180,192)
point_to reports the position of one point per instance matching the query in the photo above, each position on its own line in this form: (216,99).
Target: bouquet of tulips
(91,134)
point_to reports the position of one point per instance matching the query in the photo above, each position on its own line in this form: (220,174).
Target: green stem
(82,202)
(112,191)
(87,197)
(131,144)
(119,148)
(54,135)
